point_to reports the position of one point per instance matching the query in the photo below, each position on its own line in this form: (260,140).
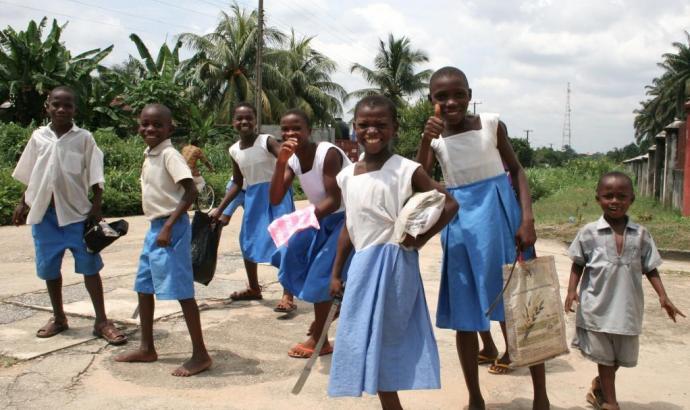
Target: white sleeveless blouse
(256,162)
(373,200)
(470,156)
(312,180)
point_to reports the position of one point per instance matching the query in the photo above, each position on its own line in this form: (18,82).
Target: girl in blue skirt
(385,341)
(306,261)
(253,161)
(471,151)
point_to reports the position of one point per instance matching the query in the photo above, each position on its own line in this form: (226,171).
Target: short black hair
(63,88)
(378,100)
(615,174)
(244,104)
(158,106)
(449,71)
(298,112)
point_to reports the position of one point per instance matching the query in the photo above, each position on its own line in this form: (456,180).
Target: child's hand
(163,239)
(215,215)
(19,214)
(336,288)
(434,125)
(526,235)
(410,242)
(287,148)
(224,219)
(671,310)
(569,300)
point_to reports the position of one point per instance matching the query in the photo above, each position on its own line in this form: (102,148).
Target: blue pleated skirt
(306,261)
(476,244)
(385,340)
(255,241)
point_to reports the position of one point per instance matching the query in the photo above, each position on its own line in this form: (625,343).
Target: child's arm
(231,193)
(665,302)
(188,198)
(575,275)
(95,214)
(421,182)
(526,235)
(273,146)
(332,165)
(341,255)
(432,129)
(282,174)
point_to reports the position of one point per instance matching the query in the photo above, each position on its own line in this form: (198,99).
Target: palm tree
(308,74)
(223,68)
(393,74)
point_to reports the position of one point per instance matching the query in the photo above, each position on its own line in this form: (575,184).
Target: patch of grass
(562,214)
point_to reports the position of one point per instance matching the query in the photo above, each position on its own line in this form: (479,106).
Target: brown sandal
(247,294)
(52,328)
(110,334)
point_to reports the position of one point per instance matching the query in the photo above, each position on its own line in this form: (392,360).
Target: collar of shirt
(602,223)
(51,132)
(158,148)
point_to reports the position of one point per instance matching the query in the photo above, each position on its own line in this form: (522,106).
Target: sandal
(300,351)
(110,334)
(481,359)
(499,368)
(52,328)
(247,294)
(285,306)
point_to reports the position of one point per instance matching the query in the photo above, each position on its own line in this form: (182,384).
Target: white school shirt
(374,199)
(60,168)
(470,156)
(256,162)
(164,167)
(312,180)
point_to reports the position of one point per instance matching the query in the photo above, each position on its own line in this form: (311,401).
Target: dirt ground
(248,343)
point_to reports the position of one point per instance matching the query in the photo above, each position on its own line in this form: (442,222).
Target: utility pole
(474,106)
(566,122)
(259,51)
(527,134)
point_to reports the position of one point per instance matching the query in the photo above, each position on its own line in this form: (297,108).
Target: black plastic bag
(205,239)
(98,236)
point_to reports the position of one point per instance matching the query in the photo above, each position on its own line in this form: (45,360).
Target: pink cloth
(283,228)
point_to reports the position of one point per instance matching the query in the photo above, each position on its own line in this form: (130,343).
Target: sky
(519,56)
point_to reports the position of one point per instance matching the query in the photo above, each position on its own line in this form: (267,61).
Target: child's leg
(200,359)
(389,400)
(468,349)
(287,302)
(607,377)
(489,350)
(59,321)
(305,349)
(94,285)
(254,290)
(146,351)
(541,399)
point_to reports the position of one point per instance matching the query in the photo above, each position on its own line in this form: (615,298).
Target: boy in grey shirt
(613,253)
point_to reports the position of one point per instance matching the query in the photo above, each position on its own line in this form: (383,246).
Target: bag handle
(500,295)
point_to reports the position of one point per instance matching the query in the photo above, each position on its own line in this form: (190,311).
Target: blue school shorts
(167,272)
(235,203)
(51,241)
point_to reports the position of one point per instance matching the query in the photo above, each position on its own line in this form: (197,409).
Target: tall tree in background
(394,73)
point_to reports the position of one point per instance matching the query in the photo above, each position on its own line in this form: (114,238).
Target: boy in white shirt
(165,265)
(58,165)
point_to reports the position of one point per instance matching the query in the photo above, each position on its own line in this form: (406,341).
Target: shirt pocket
(73,162)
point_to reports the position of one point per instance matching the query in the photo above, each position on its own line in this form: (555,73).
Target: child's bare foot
(193,366)
(53,327)
(136,356)
(477,404)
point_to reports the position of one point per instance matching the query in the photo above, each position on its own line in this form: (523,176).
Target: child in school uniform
(165,264)
(610,256)
(494,225)
(385,341)
(253,161)
(306,261)
(58,166)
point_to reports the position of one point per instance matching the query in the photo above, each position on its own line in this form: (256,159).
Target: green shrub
(10,192)
(13,139)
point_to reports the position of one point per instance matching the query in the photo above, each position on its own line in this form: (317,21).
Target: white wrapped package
(419,214)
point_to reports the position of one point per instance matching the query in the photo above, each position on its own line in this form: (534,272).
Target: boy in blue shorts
(165,265)
(611,256)
(58,166)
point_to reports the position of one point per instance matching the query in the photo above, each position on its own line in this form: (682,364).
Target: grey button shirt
(611,296)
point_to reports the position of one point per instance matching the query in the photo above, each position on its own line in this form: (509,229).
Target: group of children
(385,339)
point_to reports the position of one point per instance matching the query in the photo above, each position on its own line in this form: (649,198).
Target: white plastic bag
(419,214)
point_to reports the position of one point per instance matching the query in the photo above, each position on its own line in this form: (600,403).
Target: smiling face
(155,125)
(244,121)
(292,126)
(453,94)
(61,107)
(615,195)
(375,127)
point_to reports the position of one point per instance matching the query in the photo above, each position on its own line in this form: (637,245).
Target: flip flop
(300,351)
(285,307)
(481,359)
(51,328)
(110,334)
(499,368)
